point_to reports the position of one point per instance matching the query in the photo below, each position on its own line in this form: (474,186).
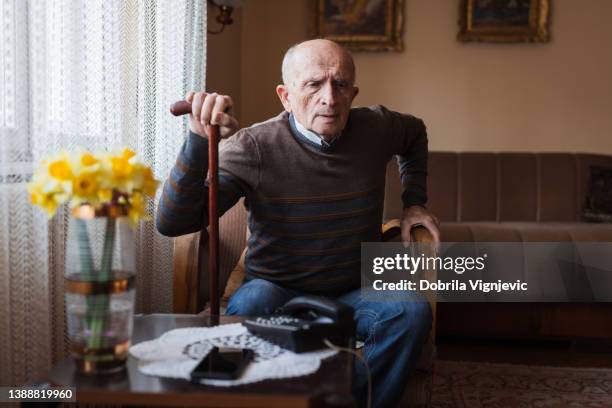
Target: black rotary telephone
(304,322)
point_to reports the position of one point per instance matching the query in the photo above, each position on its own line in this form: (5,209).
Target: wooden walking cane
(183,108)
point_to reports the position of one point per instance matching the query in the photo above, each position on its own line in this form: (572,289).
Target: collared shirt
(310,135)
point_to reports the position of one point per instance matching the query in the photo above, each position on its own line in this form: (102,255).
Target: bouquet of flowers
(100,189)
(100,181)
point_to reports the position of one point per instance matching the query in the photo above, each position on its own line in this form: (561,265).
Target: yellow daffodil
(121,167)
(97,179)
(105,195)
(61,170)
(128,154)
(85,185)
(137,209)
(88,159)
(122,170)
(144,181)
(48,203)
(150,186)
(47,200)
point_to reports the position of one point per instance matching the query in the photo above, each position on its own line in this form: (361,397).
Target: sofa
(515,197)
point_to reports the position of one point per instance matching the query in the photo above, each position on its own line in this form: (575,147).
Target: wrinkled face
(320,89)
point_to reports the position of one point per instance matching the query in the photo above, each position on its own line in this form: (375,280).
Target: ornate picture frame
(504,20)
(361,25)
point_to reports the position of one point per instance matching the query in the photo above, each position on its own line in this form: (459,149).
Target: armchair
(190,286)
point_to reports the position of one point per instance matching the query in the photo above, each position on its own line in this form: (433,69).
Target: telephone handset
(304,322)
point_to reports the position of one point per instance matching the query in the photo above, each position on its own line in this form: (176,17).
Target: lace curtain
(99,74)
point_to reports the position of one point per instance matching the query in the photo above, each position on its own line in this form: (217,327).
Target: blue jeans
(393,331)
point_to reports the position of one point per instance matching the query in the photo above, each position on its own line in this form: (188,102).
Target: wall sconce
(226,7)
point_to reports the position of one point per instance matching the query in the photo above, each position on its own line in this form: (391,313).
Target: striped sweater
(310,206)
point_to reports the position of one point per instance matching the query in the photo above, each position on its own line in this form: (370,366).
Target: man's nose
(328,94)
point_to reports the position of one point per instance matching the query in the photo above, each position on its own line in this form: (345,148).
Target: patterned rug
(460,384)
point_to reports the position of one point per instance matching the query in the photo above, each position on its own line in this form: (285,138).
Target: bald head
(318,51)
(318,86)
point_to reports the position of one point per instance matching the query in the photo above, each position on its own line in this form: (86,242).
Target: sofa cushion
(518,187)
(525,232)
(442,192)
(558,187)
(478,199)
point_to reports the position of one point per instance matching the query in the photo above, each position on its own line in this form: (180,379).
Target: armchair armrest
(185,282)
(391,231)
(191,284)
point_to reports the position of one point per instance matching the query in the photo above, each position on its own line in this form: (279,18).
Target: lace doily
(175,353)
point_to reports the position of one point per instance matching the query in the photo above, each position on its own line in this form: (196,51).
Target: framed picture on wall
(504,20)
(361,25)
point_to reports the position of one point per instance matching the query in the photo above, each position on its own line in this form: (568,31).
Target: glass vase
(99,288)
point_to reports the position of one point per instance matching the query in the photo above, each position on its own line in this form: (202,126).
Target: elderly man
(313,178)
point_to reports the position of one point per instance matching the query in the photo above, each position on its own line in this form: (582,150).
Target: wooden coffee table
(329,385)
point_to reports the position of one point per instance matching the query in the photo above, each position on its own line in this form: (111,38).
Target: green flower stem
(87,270)
(87,265)
(107,252)
(101,302)
(97,305)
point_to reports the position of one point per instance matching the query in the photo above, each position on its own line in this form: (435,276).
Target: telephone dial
(304,322)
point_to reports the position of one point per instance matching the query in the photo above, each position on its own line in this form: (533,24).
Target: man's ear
(355,92)
(283,95)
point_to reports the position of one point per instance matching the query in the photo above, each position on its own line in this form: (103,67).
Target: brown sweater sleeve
(183,206)
(409,143)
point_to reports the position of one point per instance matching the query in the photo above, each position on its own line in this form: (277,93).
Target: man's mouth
(328,116)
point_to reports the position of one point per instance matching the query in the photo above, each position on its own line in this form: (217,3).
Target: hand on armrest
(392,230)
(419,216)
